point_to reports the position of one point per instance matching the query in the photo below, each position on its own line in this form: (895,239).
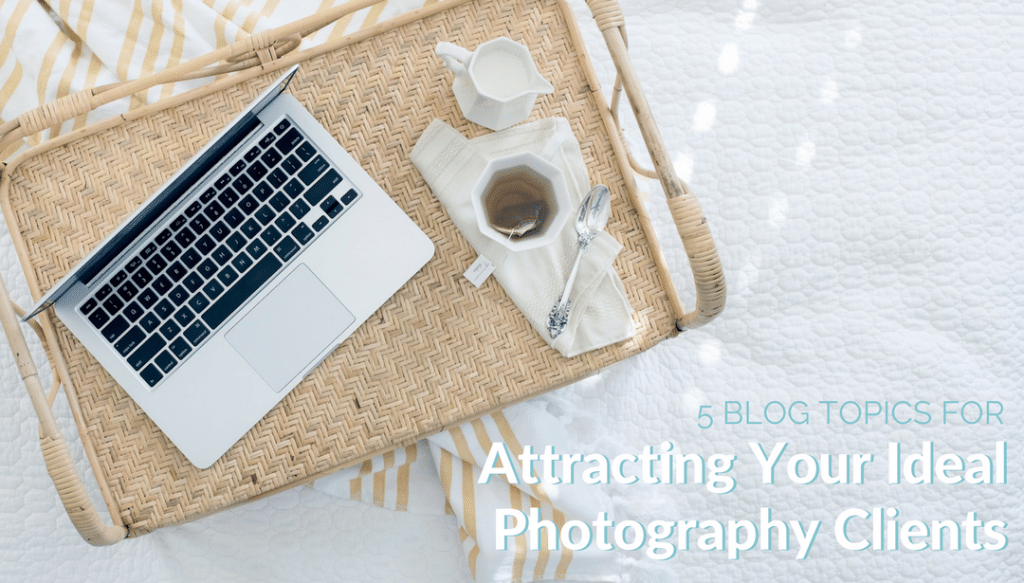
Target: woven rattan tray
(440,352)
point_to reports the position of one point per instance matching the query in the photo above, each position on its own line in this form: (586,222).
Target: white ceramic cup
(520,179)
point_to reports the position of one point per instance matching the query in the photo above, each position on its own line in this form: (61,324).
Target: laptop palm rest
(289,328)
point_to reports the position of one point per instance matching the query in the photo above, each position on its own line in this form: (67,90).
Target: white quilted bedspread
(860,164)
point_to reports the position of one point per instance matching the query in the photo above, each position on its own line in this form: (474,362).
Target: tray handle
(61,467)
(689,219)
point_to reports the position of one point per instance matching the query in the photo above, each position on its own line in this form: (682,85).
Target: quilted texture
(860,167)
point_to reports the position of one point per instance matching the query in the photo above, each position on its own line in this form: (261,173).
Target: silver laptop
(239,275)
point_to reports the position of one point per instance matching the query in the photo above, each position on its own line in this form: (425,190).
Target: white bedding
(860,167)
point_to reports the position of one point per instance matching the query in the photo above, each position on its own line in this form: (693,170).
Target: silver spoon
(594,212)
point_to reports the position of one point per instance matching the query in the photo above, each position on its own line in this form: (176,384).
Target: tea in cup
(521,200)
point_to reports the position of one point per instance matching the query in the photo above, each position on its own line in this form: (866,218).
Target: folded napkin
(534,278)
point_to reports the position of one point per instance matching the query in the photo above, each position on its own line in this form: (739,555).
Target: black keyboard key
(118,278)
(294,188)
(329,205)
(270,235)
(207,269)
(267,140)
(178,295)
(245,287)
(306,151)
(151,375)
(285,222)
(213,211)
(164,309)
(147,298)
(233,218)
(291,165)
(227,276)
(238,167)
(320,223)
(302,233)
(170,329)
(88,306)
(299,209)
(278,202)
(242,184)
(116,327)
(185,237)
(133,264)
(146,351)
(205,244)
(256,171)
(199,224)
(289,140)
(149,322)
(131,339)
(193,282)
(286,248)
(277,178)
(142,278)
(161,285)
(221,255)
(228,197)
(198,302)
(133,311)
(176,271)
(194,208)
(249,205)
(180,348)
(148,250)
(165,361)
(184,316)
(156,264)
(223,181)
(171,251)
(282,126)
(113,304)
(250,228)
(209,194)
(163,237)
(178,222)
(213,289)
(265,214)
(236,242)
(318,191)
(241,262)
(196,333)
(271,158)
(252,154)
(219,231)
(99,317)
(191,258)
(256,248)
(314,169)
(349,196)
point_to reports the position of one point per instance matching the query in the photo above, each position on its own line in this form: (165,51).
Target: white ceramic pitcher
(497,84)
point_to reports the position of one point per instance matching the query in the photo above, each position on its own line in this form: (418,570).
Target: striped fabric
(50,48)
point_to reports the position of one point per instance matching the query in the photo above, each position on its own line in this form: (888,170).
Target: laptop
(239,275)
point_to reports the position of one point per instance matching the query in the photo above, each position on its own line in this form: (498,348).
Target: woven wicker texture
(439,352)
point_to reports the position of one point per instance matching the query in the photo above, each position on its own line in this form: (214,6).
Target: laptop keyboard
(192,275)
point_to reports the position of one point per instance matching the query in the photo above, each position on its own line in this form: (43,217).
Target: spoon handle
(559,316)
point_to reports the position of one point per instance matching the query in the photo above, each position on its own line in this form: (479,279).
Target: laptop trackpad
(289,328)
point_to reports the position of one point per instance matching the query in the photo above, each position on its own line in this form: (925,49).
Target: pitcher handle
(455,57)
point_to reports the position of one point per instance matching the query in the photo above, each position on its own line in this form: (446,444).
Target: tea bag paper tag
(481,269)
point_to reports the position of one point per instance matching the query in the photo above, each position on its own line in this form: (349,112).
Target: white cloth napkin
(534,279)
